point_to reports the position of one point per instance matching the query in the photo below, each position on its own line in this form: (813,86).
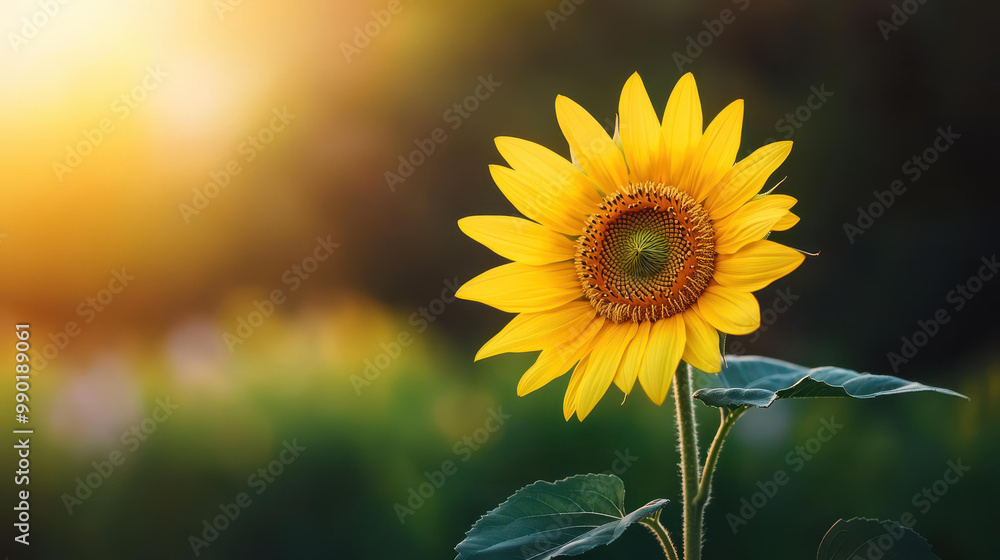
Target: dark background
(368,444)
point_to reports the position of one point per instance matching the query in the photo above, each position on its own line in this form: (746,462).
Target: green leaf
(759,381)
(548,519)
(871,538)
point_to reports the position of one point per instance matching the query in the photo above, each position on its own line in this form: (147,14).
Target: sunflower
(637,252)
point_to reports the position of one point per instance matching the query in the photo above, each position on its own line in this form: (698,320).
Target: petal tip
(658,399)
(502,141)
(568,414)
(687,79)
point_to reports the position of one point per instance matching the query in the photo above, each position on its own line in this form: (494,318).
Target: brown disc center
(648,253)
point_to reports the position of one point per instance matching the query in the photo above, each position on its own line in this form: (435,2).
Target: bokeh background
(121,120)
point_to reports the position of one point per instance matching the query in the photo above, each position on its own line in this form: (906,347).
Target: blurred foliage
(364,453)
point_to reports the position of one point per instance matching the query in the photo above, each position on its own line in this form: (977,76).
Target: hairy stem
(728,419)
(662,536)
(687,434)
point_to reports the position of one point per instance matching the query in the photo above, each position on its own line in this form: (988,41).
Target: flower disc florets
(648,253)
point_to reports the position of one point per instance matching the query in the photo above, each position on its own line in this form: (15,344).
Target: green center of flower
(647,254)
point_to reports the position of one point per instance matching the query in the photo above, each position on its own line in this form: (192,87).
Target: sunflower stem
(688,437)
(727,421)
(662,535)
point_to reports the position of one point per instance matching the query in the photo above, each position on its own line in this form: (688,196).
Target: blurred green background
(361,102)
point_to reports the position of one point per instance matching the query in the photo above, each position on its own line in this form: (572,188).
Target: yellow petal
(565,181)
(518,239)
(553,362)
(605,357)
(538,201)
(632,360)
(786,222)
(756,265)
(663,353)
(682,126)
(573,391)
(522,288)
(745,179)
(751,222)
(597,153)
(702,347)
(640,133)
(715,154)
(728,310)
(536,331)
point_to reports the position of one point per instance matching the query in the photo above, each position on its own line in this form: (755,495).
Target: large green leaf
(870,538)
(759,381)
(548,519)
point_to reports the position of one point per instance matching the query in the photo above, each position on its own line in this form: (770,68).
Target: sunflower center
(648,253)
